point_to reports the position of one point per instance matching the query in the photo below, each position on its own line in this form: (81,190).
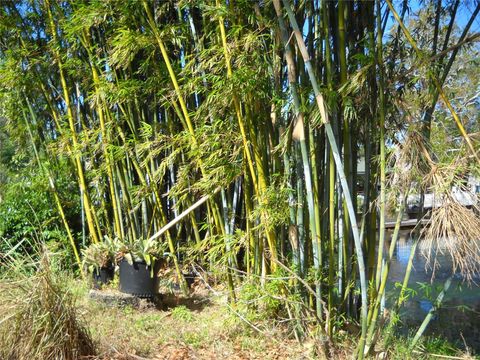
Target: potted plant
(138,262)
(99,259)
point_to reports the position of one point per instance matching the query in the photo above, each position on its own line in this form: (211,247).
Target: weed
(252,343)
(128,310)
(182,313)
(429,347)
(148,322)
(438,345)
(193,339)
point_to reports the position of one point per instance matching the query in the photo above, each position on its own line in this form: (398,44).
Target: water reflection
(460,314)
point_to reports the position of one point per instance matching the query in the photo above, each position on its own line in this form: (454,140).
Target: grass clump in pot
(38,316)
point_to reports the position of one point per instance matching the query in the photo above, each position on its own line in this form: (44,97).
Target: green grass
(182,313)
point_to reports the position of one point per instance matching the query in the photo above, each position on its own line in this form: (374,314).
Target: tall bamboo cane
(94,231)
(51,183)
(340,171)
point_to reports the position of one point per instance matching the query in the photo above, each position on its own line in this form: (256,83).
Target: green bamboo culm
(341,174)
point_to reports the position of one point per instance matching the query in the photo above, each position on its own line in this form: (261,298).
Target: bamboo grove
(264,109)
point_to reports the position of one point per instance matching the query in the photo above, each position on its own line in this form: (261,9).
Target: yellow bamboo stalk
(101,118)
(81,177)
(261,185)
(51,183)
(166,59)
(437,84)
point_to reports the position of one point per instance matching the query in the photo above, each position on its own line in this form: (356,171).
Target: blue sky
(464,12)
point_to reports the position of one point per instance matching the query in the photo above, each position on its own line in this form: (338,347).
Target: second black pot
(135,279)
(102,276)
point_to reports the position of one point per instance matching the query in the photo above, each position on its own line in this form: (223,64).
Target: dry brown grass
(184,332)
(38,318)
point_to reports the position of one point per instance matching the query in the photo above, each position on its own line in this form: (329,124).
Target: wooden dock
(410,223)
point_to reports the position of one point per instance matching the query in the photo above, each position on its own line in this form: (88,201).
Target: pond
(458,320)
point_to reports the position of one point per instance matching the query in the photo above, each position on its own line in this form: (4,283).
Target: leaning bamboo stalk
(431,313)
(51,183)
(182,215)
(238,111)
(437,84)
(85,196)
(340,170)
(440,57)
(402,297)
(59,129)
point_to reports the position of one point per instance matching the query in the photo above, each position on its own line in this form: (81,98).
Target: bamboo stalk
(331,181)
(300,134)
(261,185)
(431,312)
(437,84)
(381,116)
(81,177)
(105,136)
(341,174)
(51,183)
(374,310)
(182,215)
(173,78)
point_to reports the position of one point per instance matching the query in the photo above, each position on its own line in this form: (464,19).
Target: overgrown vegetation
(227,136)
(40,318)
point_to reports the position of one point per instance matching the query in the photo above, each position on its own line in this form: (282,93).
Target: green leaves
(272,207)
(139,250)
(99,255)
(126,44)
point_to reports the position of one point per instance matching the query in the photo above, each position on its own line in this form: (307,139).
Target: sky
(464,12)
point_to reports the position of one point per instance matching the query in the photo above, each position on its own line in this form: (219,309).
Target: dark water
(458,320)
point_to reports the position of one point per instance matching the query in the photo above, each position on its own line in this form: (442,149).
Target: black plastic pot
(135,279)
(102,276)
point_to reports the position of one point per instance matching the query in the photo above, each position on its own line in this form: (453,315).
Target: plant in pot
(99,259)
(138,262)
